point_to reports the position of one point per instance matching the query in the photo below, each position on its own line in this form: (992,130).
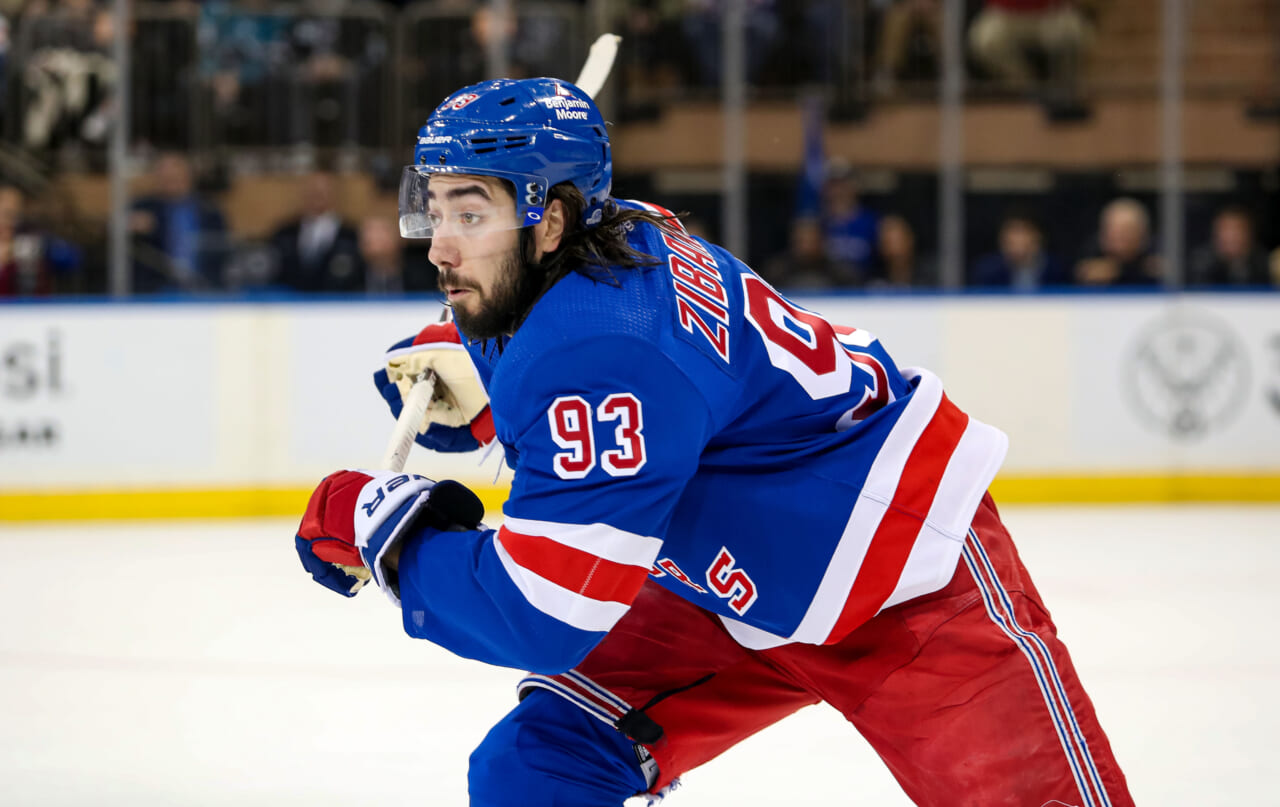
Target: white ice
(194,663)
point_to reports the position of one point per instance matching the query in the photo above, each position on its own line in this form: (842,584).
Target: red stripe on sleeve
(570,568)
(896,535)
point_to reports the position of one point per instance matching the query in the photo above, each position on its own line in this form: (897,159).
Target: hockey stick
(409,422)
(402,436)
(595,70)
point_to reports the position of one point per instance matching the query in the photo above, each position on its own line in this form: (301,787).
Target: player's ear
(548,232)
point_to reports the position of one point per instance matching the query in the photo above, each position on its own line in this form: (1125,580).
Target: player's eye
(470,219)
(434,220)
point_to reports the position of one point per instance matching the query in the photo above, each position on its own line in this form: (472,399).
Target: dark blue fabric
(322,571)
(549,753)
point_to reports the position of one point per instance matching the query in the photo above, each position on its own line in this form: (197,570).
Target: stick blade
(595,71)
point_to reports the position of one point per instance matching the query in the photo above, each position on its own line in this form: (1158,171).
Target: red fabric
(438,333)
(574,569)
(482,427)
(331,514)
(10,286)
(952,704)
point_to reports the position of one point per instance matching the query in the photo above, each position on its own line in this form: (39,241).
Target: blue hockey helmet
(535,133)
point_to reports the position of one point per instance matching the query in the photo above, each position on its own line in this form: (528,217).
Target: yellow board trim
(198,503)
(1136,489)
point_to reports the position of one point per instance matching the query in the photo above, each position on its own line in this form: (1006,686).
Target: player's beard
(500,310)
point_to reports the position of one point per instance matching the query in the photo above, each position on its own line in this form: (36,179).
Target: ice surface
(194,663)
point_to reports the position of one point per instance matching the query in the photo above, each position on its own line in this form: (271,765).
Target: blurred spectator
(1024,44)
(67,73)
(336,61)
(244,50)
(652,62)
(1020,261)
(851,232)
(459,53)
(805,265)
(534,47)
(909,46)
(4,58)
(23,271)
(179,237)
(389,266)
(31,262)
(318,251)
(1232,257)
(812,36)
(1123,256)
(702,31)
(901,267)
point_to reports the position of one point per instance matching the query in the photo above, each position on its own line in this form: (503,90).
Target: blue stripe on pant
(547,752)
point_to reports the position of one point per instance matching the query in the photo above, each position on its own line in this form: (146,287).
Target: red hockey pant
(966,694)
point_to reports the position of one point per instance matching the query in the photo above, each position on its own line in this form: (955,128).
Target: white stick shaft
(409,422)
(595,70)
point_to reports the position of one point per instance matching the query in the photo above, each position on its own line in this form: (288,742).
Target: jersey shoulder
(668,317)
(605,302)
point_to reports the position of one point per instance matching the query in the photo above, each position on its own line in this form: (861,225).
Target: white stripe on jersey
(877,494)
(937,548)
(600,540)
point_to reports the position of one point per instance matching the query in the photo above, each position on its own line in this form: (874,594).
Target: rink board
(192,409)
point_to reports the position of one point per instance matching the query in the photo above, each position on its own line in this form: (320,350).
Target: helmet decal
(462,100)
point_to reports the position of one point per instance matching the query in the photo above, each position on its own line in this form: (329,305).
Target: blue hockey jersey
(688,423)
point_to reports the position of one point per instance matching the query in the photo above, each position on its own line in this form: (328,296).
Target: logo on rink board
(1188,374)
(31,376)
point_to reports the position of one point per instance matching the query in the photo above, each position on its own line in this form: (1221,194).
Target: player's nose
(444,251)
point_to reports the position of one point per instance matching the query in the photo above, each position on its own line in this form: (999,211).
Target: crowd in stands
(180,243)
(849,245)
(227,73)
(222,78)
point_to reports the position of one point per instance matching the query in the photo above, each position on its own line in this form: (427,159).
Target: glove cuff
(387,505)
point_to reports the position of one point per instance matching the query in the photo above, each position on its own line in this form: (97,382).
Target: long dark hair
(594,251)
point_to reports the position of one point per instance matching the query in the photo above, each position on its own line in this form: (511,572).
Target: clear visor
(436,202)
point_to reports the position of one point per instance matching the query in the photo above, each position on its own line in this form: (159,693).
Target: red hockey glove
(355,518)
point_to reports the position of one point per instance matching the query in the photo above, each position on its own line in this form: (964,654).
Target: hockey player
(723,508)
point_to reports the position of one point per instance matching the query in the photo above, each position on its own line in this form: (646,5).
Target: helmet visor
(443,201)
